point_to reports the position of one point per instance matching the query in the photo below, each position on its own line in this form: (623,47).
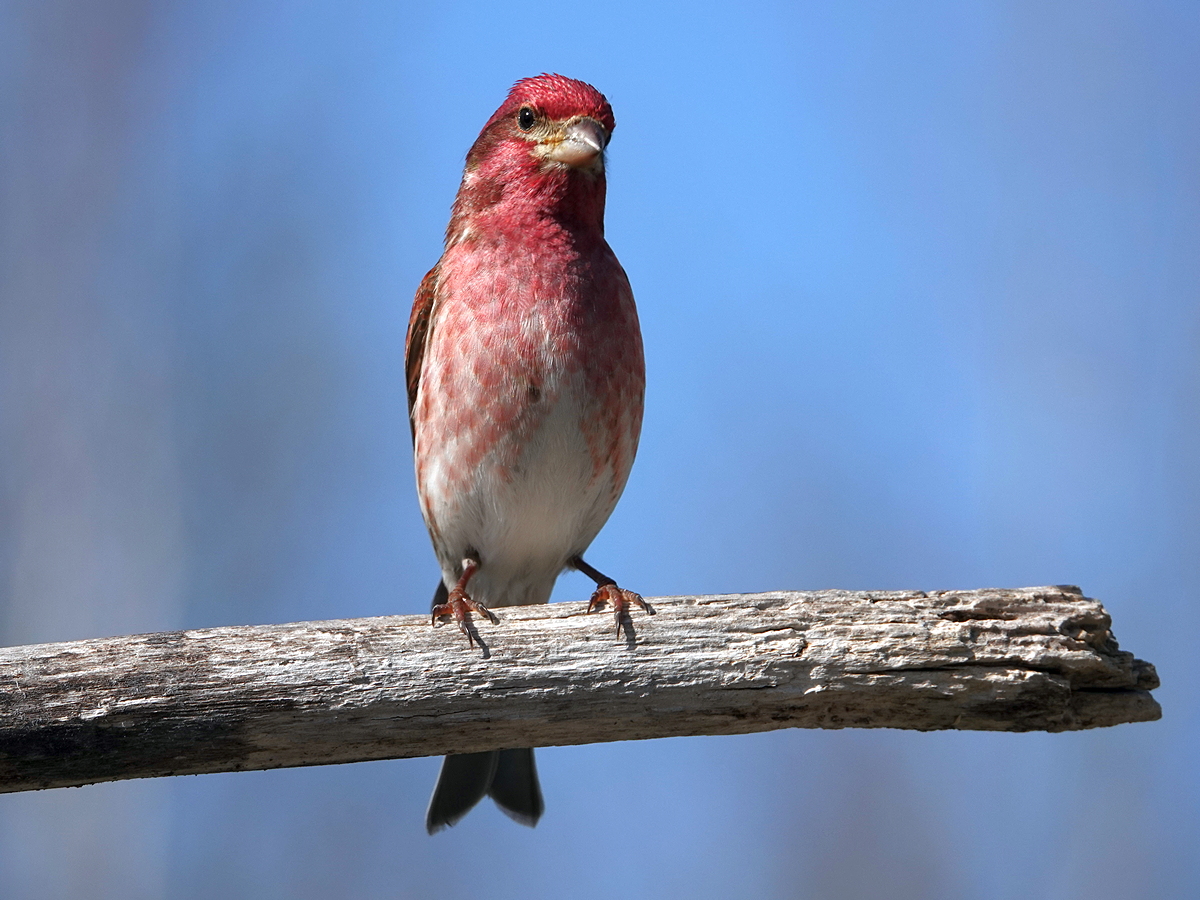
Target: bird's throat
(526,196)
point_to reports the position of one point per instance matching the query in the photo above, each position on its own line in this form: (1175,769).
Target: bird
(526,382)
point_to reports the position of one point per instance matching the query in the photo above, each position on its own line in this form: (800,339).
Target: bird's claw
(620,600)
(460,606)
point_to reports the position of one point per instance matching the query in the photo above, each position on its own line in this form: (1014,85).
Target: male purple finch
(525,385)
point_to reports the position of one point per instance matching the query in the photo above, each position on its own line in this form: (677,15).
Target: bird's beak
(582,141)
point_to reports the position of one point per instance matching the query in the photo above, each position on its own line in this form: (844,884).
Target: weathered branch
(227,699)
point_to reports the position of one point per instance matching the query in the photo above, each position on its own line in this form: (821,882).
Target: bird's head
(539,159)
(557,123)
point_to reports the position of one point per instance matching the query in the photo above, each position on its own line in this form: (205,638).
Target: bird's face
(577,141)
(558,123)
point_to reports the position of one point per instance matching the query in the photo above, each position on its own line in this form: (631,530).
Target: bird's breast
(529,408)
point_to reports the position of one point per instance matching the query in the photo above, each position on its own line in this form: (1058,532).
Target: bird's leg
(460,605)
(608,592)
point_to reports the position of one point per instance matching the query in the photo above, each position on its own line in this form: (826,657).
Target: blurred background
(920,287)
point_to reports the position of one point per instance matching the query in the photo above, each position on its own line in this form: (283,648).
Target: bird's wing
(418,336)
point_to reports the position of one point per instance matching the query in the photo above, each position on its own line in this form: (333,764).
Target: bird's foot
(620,600)
(459,605)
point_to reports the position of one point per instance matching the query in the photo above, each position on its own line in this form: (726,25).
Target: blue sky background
(920,290)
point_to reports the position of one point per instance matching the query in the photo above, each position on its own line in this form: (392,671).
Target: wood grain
(312,693)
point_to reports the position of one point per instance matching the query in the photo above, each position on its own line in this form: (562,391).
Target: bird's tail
(509,777)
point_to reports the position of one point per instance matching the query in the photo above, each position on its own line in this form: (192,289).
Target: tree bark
(312,693)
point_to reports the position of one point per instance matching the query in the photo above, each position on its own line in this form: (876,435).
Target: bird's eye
(525,118)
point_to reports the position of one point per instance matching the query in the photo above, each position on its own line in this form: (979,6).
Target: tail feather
(515,786)
(464,780)
(507,776)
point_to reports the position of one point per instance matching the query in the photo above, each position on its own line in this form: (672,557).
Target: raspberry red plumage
(559,97)
(525,381)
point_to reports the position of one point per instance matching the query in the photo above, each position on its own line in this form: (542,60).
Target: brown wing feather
(418,338)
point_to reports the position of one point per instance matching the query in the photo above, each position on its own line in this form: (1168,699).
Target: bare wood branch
(229,699)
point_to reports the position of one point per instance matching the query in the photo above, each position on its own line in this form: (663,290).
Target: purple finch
(525,384)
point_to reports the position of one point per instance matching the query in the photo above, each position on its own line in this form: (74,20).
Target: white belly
(523,514)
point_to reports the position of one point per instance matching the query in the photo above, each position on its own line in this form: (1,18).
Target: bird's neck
(525,202)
